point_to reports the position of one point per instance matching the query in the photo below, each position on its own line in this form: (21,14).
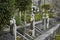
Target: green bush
(46,6)
(22,17)
(28,18)
(50,15)
(38,17)
(17,18)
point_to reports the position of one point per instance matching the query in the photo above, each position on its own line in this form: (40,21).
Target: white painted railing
(48,33)
(22,36)
(28,35)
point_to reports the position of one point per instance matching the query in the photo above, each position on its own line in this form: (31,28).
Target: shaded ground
(7,36)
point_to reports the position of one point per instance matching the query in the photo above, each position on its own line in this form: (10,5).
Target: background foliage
(6,11)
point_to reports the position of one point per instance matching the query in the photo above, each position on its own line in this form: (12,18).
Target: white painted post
(47,16)
(14,26)
(11,27)
(33,20)
(14,29)
(38,11)
(44,20)
(33,28)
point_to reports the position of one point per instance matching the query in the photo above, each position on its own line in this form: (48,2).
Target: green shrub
(22,17)
(38,17)
(17,18)
(28,18)
(46,6)
(50,15)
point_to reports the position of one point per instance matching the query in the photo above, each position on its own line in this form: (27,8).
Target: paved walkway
(7,36)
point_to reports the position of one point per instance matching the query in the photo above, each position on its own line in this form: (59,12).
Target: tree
(23,5)
(6,12)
